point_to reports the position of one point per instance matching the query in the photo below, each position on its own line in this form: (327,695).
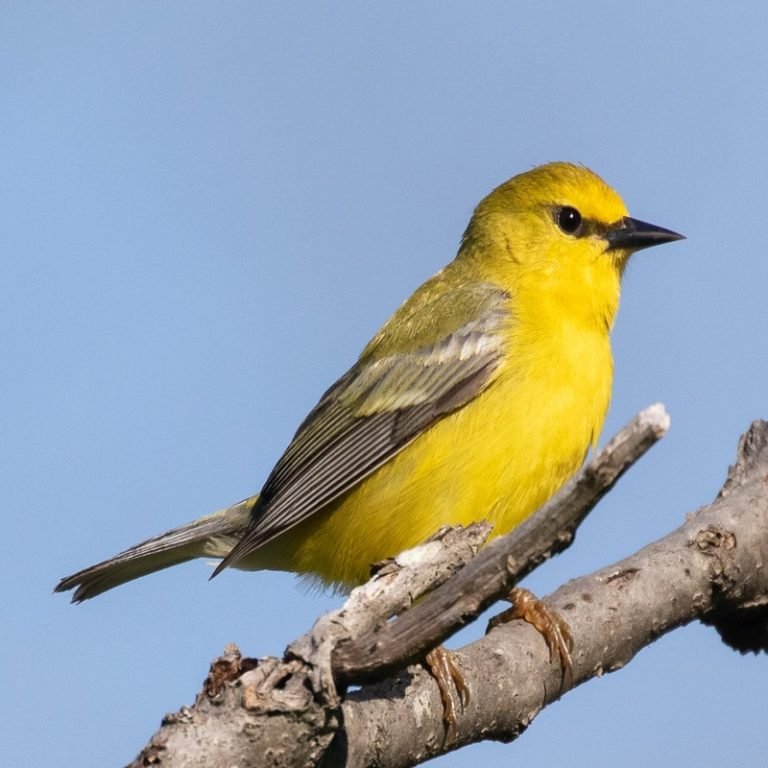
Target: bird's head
(563,233)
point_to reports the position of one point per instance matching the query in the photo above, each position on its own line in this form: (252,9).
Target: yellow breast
(498,458)
(505,452)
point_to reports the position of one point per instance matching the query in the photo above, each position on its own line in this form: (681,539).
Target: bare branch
(713,565)
(392,590)
(501,564)
(711,568)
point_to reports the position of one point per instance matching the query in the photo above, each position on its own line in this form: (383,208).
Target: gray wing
(377,408)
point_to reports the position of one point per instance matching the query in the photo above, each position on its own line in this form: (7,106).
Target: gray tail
(210,536)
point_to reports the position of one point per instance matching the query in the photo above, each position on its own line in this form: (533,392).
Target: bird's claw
(454,691)
(547,622)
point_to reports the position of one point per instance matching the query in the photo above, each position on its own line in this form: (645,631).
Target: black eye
(569,220)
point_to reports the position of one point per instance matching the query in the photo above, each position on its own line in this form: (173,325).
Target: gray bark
(293,712)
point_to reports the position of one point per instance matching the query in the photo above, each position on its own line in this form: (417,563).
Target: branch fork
(293,712)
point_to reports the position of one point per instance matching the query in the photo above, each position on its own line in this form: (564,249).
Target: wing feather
(377,408)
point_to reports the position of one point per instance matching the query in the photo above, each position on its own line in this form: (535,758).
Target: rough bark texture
(287,713)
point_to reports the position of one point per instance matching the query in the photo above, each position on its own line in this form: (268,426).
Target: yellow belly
(498,459)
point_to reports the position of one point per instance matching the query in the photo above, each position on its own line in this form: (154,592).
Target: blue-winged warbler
(476,400)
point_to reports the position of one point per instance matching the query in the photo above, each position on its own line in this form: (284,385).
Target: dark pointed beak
(632,235)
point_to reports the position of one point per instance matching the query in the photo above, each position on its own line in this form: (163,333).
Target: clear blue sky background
(207,209)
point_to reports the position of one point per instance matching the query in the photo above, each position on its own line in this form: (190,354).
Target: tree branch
(279,714)
(493,573)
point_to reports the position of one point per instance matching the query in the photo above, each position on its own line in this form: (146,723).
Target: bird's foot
(547,622)
(454,692)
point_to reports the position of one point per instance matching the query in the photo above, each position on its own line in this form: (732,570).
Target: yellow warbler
(476,400)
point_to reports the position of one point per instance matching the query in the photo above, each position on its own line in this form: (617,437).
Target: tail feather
(210,536)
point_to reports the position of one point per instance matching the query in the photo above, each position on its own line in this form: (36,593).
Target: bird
(478,398)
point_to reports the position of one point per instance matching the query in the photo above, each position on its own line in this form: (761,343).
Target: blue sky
(208,208)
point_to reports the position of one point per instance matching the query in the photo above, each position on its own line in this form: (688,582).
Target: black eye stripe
(570,221)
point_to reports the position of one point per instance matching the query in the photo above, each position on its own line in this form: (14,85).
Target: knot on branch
(718,543)
(277,686)
(226,669)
